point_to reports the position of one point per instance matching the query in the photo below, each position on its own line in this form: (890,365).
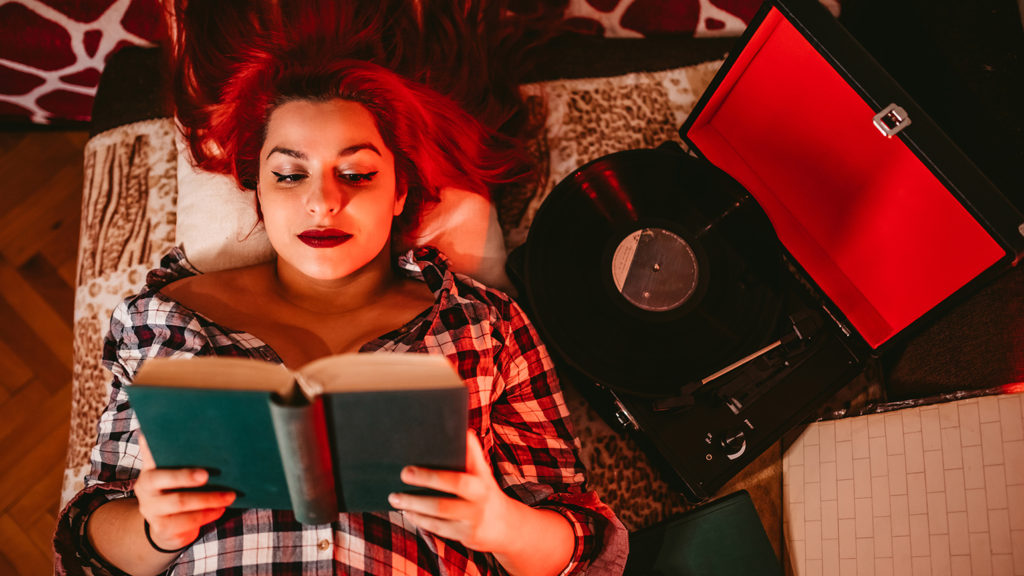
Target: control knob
(734,444)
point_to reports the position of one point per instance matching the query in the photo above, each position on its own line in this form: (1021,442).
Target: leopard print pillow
(128,202)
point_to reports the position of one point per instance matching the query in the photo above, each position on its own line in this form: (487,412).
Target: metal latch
(891,120)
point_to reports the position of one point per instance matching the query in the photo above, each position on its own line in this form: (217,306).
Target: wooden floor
(40,206)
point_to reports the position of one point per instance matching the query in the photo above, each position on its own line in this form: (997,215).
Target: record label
(655,269)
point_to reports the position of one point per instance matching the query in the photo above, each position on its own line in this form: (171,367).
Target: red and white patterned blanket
(53,51)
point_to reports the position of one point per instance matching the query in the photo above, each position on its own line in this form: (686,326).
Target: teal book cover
(328,438)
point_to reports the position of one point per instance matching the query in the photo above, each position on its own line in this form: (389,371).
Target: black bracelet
(145,525)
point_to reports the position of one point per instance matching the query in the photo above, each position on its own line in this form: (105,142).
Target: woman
(337,154)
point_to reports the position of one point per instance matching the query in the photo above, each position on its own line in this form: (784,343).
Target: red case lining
(876,230)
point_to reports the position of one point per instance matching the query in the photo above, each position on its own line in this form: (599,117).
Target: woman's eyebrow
(357,147)
(344,152)
(287,152)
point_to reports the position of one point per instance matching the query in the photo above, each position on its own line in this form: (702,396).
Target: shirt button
(324,544)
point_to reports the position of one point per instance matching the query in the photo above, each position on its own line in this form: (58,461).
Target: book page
(216,373)
(380,371)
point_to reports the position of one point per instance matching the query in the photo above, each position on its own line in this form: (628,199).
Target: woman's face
(327,187)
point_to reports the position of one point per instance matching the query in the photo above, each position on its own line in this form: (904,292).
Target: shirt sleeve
(139,328)
(535,451)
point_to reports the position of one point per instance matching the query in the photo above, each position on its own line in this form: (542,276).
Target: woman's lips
(324,238)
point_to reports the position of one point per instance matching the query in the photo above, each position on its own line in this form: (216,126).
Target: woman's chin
(317,269)
(327,272)
(334,263)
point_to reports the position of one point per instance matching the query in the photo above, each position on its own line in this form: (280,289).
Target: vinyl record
(648,269)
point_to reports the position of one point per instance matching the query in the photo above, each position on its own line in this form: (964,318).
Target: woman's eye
(354,178)
(288,178)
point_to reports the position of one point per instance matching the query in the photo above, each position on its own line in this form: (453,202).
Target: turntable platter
(647,269)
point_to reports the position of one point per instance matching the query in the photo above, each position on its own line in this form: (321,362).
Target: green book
(330,437)
(722,538)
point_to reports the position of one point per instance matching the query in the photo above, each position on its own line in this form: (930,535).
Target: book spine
(301,432)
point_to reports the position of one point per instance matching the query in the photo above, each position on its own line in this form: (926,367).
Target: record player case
(887,217)
(883,218)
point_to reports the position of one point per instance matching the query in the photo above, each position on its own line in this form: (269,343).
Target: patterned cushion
(128,214)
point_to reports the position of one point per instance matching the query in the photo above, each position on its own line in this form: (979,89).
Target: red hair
(236,60)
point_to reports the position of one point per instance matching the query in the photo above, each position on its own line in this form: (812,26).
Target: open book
(330,437)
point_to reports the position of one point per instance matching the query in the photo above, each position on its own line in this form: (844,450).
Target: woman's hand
(476,514)
(524,540)
(175,517)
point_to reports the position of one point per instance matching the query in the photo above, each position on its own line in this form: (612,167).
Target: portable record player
(718,300)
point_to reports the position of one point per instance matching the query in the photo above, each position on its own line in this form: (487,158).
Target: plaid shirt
(515,406)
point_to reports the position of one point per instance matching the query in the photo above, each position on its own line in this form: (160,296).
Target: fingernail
(199,475)
(408,473)
(394,499)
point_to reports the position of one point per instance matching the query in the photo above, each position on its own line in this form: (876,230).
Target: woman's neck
(337,296)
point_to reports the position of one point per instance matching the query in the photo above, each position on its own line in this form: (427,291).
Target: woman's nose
(327,197)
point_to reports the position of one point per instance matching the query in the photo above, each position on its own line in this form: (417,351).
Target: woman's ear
(401,193)
(259,204)
(400,201)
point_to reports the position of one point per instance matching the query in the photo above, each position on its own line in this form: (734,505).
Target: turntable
(717,300)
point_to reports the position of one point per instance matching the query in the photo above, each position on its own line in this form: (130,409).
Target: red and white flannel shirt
(515,406)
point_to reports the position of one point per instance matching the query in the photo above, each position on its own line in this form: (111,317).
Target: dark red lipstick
(324,238)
